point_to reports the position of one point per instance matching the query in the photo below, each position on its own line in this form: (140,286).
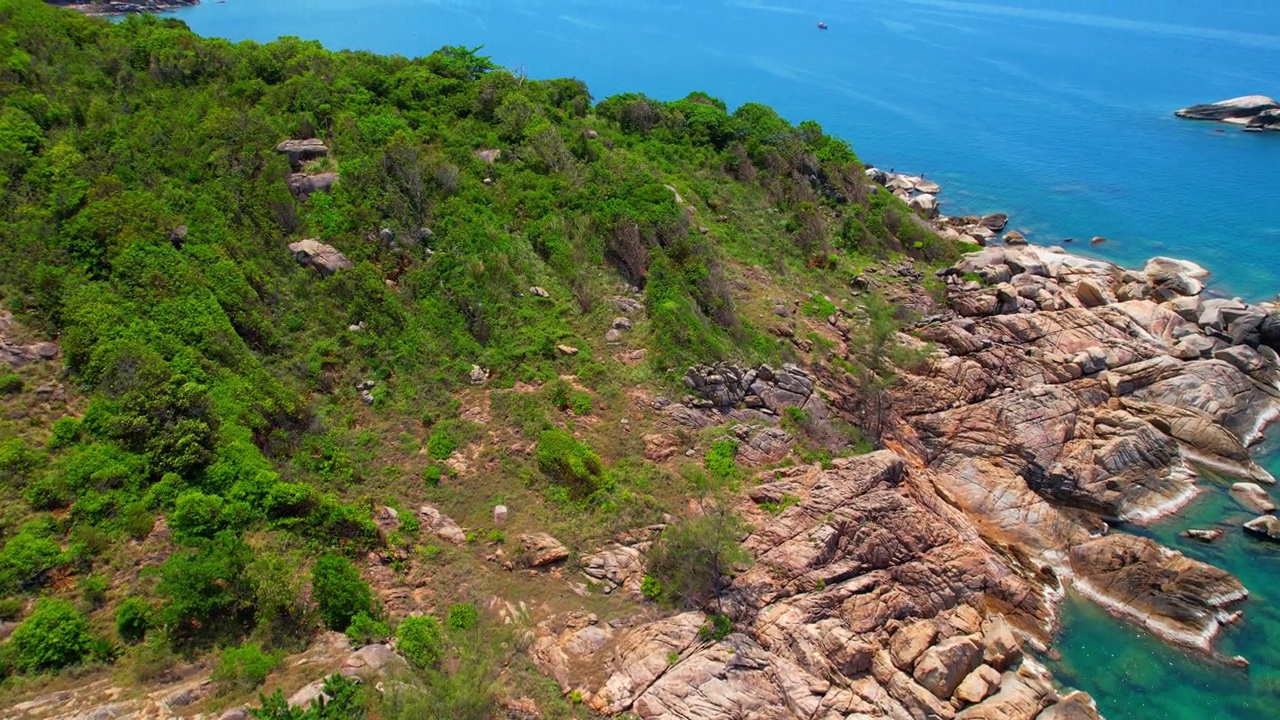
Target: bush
(18,461)
(364,630)
(449,435)
(242,669)
(419,640)
(720,460)
(569,463)
(207,588)
(93,588)
(10,384)
(345,701)
(133,619)
(10,609)
(28,556)
(716,628)
(339,591)
(54,636)
(431,475)
(463,616)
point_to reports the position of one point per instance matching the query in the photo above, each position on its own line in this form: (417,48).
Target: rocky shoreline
(1065,396)
(124,7)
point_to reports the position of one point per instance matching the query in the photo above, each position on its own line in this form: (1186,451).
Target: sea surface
(1058,112)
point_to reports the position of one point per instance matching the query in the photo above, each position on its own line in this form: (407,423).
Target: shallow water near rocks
(1058,112)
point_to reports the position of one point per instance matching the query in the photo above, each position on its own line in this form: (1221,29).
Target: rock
(1266,527)
(590,134)
(324,259)
(539,291)
(1090,295)
(367,397)
(236,713)
(908,644)
(877,176)
(1204,536)
(299,151)
(567,350)
(1097,240)
(303,185)
(387,237)
(1173,596)
(442,525)
(1265,120)
(978,684)
(925,204)
(1000,648)
(622,323)
(612,335)
(488,157)
(1237,111)
(541,549)
(928,186)
(478,375)
(499,514)
(306,694)
(1013,237)
(1192,347)
(941,668)
(617,566)
(994,222)
(1075,706)
(1252,497)
(369,660)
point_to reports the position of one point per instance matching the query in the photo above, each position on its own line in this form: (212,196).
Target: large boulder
(303,185)
(300,151)
(542,549)
(324,259)
(1253,497)
(941,668)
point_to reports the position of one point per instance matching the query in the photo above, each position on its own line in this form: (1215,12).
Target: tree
(881,354)
(133,619)
(691,559)
(54,636)
(339,591)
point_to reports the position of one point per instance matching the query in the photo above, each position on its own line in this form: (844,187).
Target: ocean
(1058,112)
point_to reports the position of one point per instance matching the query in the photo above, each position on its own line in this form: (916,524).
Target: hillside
(338,385)
(463,290)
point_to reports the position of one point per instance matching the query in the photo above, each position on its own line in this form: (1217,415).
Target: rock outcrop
(300,151)
(1254,112)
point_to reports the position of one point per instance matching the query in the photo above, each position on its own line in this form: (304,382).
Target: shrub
(10,609)
(569,463)
(242,669)
(463,616)
(28,555)
(18,461)
(342,700)
(431,475)
(133,619)
(54,636)
(651,587)
(716,628)
(719,460)
(277,592)
(207,588)
(449,435)
(93,588)
(419,640)
(10,384)
(195,516)
(364,630)
(339,591)
(65,432)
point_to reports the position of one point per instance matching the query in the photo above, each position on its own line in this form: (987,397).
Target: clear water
(1056,111)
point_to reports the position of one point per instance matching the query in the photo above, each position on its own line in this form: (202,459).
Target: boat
(822,26)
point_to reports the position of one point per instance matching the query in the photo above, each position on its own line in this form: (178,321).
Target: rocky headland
(1064,397)
(1254,112)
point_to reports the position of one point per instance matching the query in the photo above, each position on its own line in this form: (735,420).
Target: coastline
(113,8)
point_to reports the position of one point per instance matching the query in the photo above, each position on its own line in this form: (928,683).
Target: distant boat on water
(822,26)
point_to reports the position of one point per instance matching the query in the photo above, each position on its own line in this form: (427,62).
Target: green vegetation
(690,563)
(339,591)
(243,668)
(54,636)
(211,481)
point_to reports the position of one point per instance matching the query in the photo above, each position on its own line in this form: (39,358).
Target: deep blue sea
(1058,112)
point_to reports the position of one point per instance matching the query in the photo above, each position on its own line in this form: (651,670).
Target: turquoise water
(1056,111)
